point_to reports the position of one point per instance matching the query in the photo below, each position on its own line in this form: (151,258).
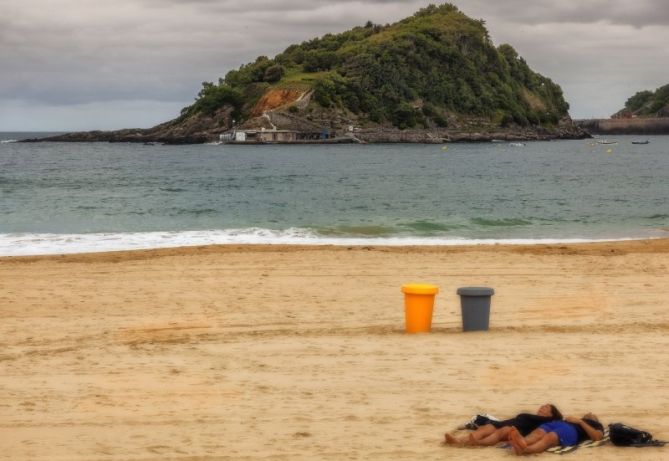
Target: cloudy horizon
(70,65)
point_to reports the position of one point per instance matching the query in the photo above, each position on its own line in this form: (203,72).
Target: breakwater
(625,125)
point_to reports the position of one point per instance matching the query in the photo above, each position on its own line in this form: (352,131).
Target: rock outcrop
(198,129)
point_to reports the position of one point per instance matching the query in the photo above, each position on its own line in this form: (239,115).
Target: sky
(96,64)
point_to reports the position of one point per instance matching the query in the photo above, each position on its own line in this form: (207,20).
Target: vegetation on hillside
(417,72)
(649,103)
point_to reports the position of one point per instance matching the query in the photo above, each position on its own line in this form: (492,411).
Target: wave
(194,211)
(500,222)
(8,141)
(429,226)
(420,228)
(370,231)
(27,244)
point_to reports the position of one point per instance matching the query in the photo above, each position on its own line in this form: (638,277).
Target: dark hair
(556,413)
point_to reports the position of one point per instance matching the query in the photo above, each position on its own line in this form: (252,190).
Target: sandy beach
(298,353)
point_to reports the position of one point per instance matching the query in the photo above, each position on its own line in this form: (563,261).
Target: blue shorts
(566,432)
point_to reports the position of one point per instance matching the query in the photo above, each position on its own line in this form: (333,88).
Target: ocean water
(71,197)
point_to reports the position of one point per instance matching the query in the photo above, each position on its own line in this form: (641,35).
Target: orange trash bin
(418,306)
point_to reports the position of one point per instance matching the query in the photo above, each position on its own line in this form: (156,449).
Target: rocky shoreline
(176,135)
(201,129)
(438,136)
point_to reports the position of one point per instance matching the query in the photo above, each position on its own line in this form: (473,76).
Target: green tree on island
(420,71)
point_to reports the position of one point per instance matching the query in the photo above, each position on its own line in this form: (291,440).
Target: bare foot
(450,440)
(517,441)
(516,448)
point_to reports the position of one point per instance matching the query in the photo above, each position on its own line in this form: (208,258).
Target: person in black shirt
(571,431)
(498,431)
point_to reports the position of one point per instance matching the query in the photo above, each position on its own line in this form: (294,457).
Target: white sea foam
(43,244)
(7,141)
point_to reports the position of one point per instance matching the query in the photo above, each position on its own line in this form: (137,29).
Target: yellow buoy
(609,151)
(445,148)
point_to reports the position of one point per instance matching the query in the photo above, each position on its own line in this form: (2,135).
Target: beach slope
(298,353)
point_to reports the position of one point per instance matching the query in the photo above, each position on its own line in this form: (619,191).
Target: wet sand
(298,353)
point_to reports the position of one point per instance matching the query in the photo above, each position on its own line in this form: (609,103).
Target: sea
(60,198)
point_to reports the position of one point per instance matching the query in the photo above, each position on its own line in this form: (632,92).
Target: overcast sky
(99,64)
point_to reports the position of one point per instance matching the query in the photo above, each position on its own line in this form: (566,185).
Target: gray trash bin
(475,305)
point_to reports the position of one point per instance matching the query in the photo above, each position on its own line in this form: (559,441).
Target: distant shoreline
(594,248)
(87,248)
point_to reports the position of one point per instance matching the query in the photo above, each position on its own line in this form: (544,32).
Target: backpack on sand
(625,436)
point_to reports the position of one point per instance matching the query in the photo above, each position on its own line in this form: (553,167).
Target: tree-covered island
(432,77)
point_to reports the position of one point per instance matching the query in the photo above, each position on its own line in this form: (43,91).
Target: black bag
(625,436)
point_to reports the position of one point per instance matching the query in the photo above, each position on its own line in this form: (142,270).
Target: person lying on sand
(571,431)
(498,431)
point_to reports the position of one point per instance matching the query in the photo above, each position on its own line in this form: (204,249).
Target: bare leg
(471,439)
(535,436)
(499,435)
(482,432)
(547,441)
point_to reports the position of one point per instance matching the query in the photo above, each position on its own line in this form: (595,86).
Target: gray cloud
(77,56)
(638,13)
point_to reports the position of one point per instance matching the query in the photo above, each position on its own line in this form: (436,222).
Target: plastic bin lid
(420,289)
(476,291)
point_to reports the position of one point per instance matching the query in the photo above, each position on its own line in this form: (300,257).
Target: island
(430,78)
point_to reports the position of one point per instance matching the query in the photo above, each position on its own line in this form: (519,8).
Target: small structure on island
(264,136)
